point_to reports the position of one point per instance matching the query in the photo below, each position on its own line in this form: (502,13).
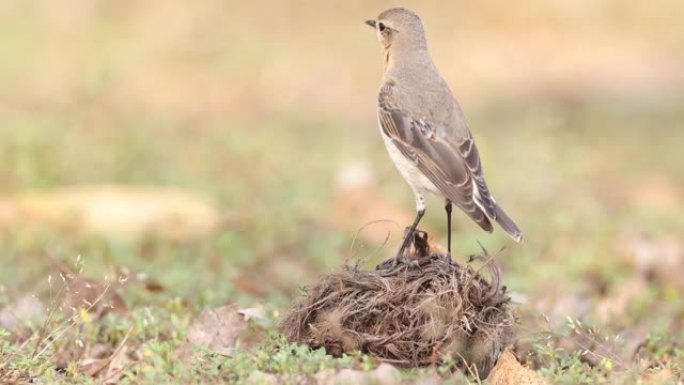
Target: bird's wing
(452,166)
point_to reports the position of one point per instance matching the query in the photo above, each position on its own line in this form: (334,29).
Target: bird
(425,131)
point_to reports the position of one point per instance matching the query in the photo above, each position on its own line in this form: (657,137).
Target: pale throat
(414,59)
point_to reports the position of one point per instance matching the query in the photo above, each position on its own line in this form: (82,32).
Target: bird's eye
(381,27)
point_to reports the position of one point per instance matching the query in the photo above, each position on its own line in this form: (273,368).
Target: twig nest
(413,312)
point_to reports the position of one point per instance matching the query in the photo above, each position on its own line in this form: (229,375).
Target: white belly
(408,169)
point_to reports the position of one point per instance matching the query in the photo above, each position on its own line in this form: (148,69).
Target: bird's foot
(412,255)
(398,262)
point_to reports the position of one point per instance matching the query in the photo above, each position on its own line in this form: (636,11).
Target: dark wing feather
(468,150)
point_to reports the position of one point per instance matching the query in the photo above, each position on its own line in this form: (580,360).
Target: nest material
(413,312)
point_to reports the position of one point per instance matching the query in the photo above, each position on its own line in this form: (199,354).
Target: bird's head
(399,29)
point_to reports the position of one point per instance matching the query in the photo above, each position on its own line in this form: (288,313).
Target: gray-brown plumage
(424,129)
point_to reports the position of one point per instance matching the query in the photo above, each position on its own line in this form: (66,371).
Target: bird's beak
(371,23)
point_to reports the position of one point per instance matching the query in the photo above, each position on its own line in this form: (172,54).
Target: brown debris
(220,330)
(25,310)
(94,296)
(509,371)
(109,368)
(15,376)
(411,313)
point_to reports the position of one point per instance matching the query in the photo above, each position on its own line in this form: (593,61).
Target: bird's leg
(420,208)
(409,234)
(447,207)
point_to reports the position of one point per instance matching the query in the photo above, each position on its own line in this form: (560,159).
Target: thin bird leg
(409,234)
(447,207)
(420,208)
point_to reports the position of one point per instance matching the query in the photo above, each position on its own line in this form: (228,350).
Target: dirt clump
(414,312)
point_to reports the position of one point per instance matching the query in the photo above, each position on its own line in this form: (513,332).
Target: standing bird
(424,129)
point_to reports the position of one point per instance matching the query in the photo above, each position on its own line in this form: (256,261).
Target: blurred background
(229,150)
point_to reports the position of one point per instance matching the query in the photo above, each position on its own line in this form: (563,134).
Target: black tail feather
(507,224)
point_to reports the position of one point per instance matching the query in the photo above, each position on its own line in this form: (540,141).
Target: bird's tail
(507,224)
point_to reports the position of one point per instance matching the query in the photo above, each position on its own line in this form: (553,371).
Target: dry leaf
(25,310)
(220,330)
(108,369)
(90,366)
(508,371)
(118,362)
